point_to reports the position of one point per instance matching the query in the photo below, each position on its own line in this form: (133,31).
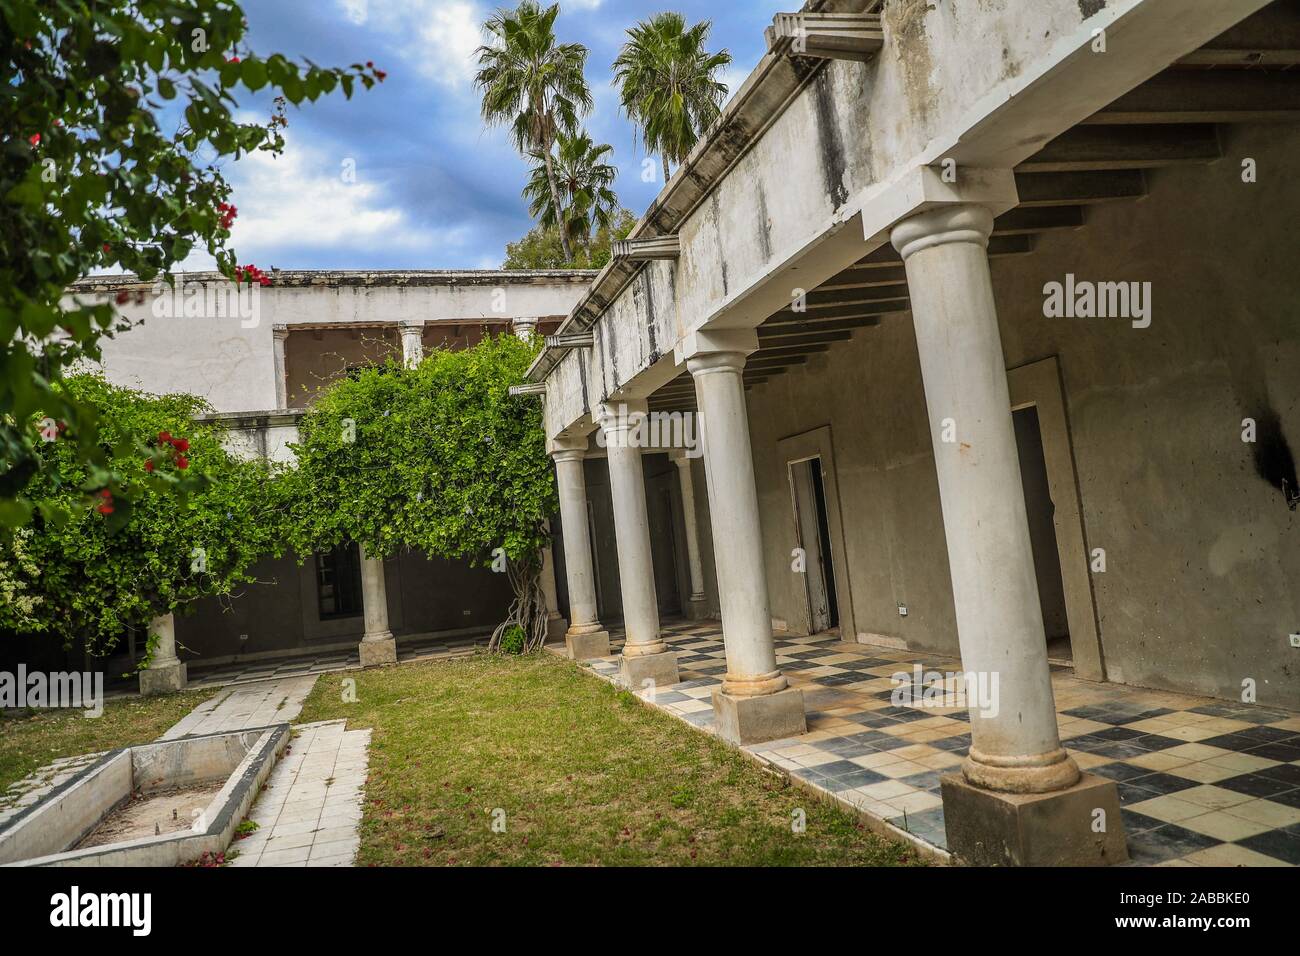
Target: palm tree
(584,180)
(668,84)
(532,84)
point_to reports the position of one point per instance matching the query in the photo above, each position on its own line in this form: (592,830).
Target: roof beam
(846,311)
(778,329)
(1270,37)
(887,255)
(1208,96)
(1026,220)
(826,36)
(794,338)
(1126,147)
(644,250)
(1074,188)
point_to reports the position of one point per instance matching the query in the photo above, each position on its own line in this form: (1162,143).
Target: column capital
(704,342)
(621,415)
(280,332)
(959,222)
(411,325)
(568,448)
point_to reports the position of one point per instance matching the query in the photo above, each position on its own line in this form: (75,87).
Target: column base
(661,668)
(378,653)
(556,628)
(988,828)
(753,720)
(165,679)
(583,647)
(697,608)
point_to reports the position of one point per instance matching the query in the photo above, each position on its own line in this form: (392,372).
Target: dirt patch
(171,810)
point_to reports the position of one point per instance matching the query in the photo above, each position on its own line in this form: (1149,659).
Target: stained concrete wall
(1202,553)
(229,358)
(280,617)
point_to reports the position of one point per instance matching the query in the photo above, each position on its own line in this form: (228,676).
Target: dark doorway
(1042,533)
(338,582)
(814,538)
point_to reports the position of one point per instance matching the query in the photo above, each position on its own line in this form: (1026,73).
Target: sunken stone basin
(158,804)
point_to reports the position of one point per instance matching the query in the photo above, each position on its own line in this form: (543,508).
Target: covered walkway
(1201,782)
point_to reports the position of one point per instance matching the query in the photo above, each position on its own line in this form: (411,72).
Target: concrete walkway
(249,705)
(310,810)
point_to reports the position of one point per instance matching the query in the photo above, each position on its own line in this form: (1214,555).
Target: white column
(554,620)
(755,703)
(620,424)
(525,326)
(733,508)
(687,481)
(412,342)
(378,646)
(585,637)
(279,334)
(1016,748)
(166,673)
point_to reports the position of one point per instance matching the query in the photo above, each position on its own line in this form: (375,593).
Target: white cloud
(437,37)
(301,199)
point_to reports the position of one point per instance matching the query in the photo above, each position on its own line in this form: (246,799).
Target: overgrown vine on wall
(437,458)
(103,567)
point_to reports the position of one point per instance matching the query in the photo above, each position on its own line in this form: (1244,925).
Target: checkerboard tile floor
(1201,782)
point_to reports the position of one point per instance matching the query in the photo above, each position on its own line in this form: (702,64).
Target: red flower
(105,509)
(234,59)
(379,75)
(105,493)
(107,247)
(34,139)
(148,465)
(370,64)
(181,444)
(182,462)
(164,436)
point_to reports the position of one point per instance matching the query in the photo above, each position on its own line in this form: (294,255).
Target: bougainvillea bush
(116,118)
(439,458)
(111,565)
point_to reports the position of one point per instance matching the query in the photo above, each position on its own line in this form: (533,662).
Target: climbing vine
(100,567)
(437,458)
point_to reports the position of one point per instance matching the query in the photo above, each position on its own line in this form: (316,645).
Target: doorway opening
(812,526)
(1041,511)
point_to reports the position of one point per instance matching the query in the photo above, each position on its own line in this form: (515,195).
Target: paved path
(310,811)
(248,705)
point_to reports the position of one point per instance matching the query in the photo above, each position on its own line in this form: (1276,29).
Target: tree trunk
(559,209)
(528,610)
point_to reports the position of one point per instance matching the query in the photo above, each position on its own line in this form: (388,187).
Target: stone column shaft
(378,646)
(755,702)
(585,638)
(687,482)
(278,336)
(412,343)
(1015,745)
(166,672)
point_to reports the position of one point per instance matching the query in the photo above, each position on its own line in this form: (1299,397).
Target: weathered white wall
(1203,556)
(228,359)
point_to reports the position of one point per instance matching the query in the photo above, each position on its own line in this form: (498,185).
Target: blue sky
(433,189)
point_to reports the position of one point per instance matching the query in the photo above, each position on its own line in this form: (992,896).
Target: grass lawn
(28,743)
(584,772)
